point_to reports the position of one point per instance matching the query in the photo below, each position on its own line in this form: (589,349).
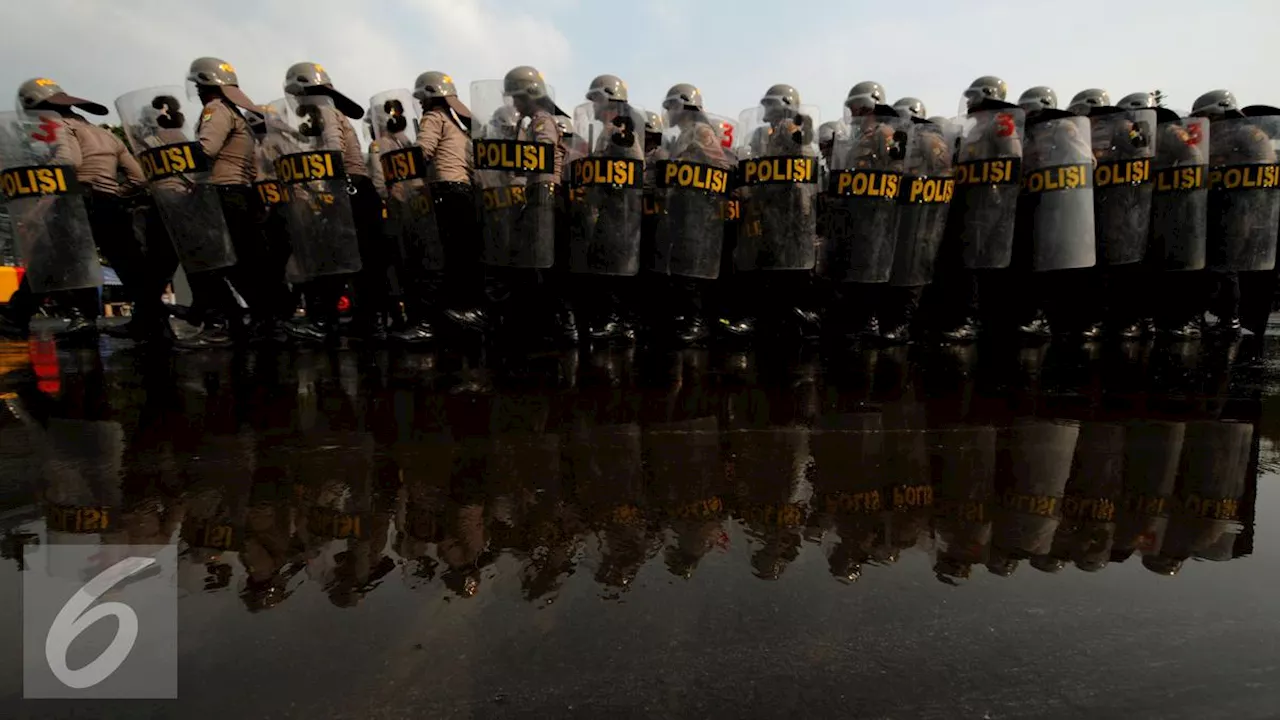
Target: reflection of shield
(867,163)
(923,203)
(1179,206)
(1056,208)
(607,190)
(988,168)
(311,171)
(161,126)
(1124,143)
(411,218)
(46,205)
(1244,194)
(778,169)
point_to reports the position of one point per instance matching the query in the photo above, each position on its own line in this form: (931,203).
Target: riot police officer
(924,200)
(443,138)
(606,211)
(689,238)
(1242,214)
(774,254)
(979,231)
(106,170)
(522,208)
(227,140)
(371,302)
(861,239)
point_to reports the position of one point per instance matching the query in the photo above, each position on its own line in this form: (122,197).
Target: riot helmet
(606,88)
(909,107)
(566,126)
(1086,100)
(864,97)
(987,87)
(40,93)
(681,99)
(211,74)
(780,101)
(528,90)
(433,87)
(653,123)
(1215,104)
(308,78)
(1040,97)
(504,124)
(1137,101)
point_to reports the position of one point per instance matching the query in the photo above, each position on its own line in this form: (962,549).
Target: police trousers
(371,286)
(461,283)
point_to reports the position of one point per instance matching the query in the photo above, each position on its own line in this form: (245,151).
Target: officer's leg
(15,316)
(898,312)
(1224,300)
(371,285)
(461,293)
(113,232)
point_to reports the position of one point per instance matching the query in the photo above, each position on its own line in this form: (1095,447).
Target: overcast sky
(732,51)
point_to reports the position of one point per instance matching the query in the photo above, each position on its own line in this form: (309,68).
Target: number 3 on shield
(314,126)
(76,616)
(727,130)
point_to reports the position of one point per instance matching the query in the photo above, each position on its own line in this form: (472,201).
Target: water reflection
(336,474)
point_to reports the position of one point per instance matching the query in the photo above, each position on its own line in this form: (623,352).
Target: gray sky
(732,51)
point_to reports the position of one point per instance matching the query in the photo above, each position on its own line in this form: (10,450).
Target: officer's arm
(128,163)
(429,134)
(215,128)
(375,170)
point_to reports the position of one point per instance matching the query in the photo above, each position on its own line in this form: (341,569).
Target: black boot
(473,320)
(78,329)
(564,329)
(214,334)
(1036,328)
(611,329)
(965,332)
(1187,330)
(690,330)
(312,331)
(419,334)
(737,330)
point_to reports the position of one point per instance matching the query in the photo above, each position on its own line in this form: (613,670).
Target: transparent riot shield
(607,190)
(777,155)
(161,126)
(1244,193)
(1124,144)
(867,164)
(46,205)
(693,185)
(987,171)
(1179,205)
(318,205)
(1057,201)
(924,202)
(516,182)
(411,214)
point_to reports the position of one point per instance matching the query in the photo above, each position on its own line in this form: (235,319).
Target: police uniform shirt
(228,142)
(339,135)
(97,154)
(651,161)
(446,147)
(543,129)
